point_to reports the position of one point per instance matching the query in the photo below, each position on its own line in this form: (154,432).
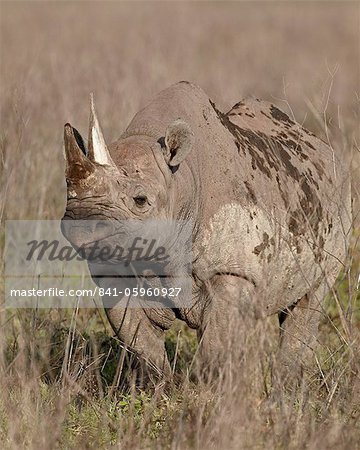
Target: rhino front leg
(229,314)
(143,332)
(298,334)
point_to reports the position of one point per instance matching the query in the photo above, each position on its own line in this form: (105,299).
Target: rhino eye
(140,200)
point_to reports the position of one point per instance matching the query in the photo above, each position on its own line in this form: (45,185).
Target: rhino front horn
(98,150)
(78,165)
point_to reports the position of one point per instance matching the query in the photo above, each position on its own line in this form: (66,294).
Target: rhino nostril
(101,228)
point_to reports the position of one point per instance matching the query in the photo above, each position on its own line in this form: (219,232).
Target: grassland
(61,385)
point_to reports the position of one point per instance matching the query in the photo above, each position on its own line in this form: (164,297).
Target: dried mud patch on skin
(251,192)
(230,126)
(266,152)
(261,247)
(280,116)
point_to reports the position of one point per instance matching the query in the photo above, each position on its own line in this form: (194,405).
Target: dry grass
(59,384)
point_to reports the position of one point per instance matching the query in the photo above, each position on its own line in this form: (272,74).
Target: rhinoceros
(269,202)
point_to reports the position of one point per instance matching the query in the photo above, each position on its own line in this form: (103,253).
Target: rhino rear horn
(98,151)
(78,165)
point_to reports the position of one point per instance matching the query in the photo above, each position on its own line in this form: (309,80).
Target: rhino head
(134,183)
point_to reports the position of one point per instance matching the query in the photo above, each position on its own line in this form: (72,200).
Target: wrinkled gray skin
(270,203)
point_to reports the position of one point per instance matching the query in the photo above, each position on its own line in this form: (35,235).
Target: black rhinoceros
(269,203)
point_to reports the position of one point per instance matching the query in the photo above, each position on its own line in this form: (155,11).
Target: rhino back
(286,221)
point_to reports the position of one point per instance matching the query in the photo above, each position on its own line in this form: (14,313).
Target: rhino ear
(179,140)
